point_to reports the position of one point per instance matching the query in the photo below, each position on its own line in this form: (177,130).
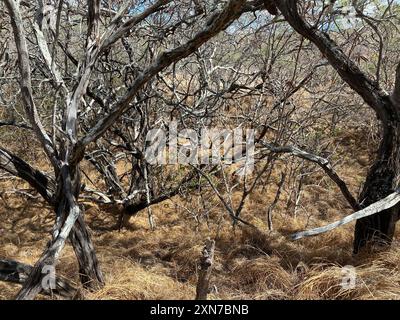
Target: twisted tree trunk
(68,217)
(89,269)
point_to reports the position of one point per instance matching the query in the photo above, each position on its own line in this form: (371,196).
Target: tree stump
(206,263)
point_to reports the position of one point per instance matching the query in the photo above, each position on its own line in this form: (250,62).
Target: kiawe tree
(66,139)
(383,176)
(67,147)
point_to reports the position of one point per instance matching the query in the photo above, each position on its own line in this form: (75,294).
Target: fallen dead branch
(375,208)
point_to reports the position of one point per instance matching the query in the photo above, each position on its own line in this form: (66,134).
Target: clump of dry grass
(8,290)
(262,278)
(379,278)
(128,280)
(323,282)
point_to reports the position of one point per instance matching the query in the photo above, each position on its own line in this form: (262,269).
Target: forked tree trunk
(382,180)
(90,274)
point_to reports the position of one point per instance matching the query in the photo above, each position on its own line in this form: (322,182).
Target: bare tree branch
(323,163)
(25,81)
(110,37)
(218,23)
(369,90)
(375,208)
(19,168)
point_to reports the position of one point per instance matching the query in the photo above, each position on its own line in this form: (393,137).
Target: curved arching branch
(323,163)
(216,24)
(358,80)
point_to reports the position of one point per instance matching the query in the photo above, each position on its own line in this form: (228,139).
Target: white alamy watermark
(206,146)
(346,8)
(49,280)
(349,277)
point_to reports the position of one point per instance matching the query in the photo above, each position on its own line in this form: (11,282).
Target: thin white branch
(375,208)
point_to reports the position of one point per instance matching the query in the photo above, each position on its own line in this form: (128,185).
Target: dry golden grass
(249,264)
(142,264)
(130,280)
